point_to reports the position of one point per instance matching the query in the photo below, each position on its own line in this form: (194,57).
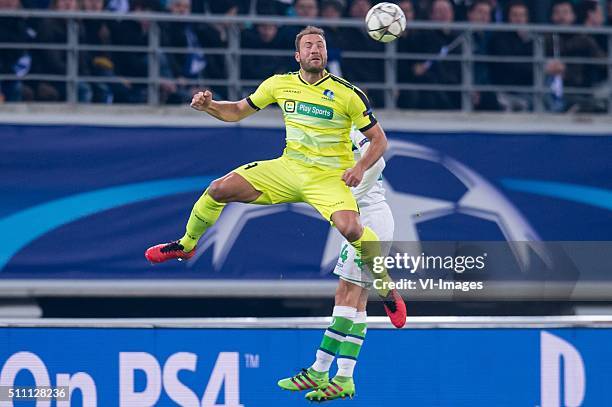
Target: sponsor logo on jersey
(289,106)
(318,111)
(328,93)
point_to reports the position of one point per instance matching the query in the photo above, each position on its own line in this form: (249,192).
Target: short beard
(313,69)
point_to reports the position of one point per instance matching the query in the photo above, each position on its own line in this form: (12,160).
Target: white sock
(324,360)
(344,311)
(346,367)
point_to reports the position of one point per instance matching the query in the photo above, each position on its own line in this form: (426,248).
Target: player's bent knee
(352,232)
(348,225)
(218,191)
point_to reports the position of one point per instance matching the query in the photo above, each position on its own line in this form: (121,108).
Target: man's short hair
(308,30)
(515,3)
(559,2)
(476,3)
(433,2)
(339,5)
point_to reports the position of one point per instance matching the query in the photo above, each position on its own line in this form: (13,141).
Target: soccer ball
(385,22)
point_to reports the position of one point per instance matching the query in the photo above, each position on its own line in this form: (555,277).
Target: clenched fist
(201,100)
(353,176)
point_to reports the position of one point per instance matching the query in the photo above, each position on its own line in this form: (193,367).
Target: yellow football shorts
(285,180)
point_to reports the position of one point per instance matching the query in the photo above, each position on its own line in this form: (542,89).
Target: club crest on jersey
(328,93)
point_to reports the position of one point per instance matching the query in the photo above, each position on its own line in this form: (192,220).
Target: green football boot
(307,379)
(338,387)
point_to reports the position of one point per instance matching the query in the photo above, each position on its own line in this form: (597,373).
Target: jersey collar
(325,77)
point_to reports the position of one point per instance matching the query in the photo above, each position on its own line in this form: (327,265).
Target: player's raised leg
(262,182)
(230,188)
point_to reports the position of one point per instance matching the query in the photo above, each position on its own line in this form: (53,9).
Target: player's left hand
(353,176)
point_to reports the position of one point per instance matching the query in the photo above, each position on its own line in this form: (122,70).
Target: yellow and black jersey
(318,117)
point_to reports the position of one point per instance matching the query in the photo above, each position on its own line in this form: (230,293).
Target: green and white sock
(350,348)
(334,337)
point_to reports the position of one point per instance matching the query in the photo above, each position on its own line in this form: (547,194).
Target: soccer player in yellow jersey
(317,167)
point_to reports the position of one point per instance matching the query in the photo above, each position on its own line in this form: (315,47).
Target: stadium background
(100,157)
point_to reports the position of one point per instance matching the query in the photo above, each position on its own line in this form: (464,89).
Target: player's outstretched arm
(378,145)
(225,111)
(372,175)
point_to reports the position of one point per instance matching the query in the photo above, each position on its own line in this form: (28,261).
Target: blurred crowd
(121,76)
